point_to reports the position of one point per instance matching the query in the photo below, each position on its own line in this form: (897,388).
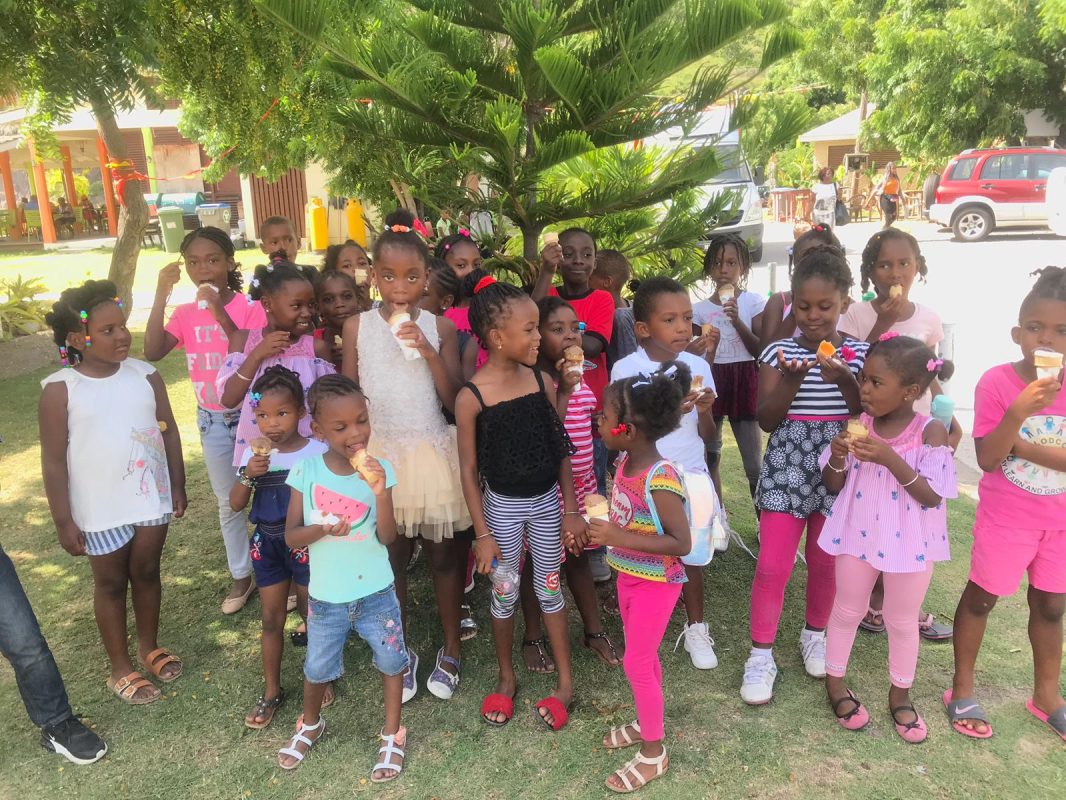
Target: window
(1041,164)
(963,169)
(1004,168)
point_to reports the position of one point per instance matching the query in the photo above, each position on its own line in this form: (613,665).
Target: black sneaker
(72,740)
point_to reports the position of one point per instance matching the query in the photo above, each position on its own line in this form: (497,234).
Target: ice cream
(337,340)
(162,426)
(856,430)
(826,349)
(550,238)
(575,359)
(261,446)
(358,461)
(202,304)
(361,276)
(726,292)
(406,346)
(697,383)
(706,329)
(895,291)
(1048,363)
(596,506)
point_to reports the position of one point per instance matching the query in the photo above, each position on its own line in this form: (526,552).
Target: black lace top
(520,443)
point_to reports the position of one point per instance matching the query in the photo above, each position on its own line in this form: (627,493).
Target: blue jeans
(376,618)
(218,436)
(23,645)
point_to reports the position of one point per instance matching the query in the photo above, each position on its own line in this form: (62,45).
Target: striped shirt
(629,510)
(578,424)
(815,397)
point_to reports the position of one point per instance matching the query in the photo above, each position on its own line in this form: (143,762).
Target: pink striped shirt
(875,520)
(578,424)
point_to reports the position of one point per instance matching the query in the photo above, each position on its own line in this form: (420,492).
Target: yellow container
(317,225)
(356,225)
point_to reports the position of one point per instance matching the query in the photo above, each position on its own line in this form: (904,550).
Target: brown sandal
(264,709)
(126,689)
(157,660)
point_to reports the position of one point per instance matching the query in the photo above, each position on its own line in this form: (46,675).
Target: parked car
(982,190)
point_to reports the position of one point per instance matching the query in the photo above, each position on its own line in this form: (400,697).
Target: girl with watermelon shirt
(278,404)
(346,519)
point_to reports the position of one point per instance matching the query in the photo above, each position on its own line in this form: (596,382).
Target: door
(1040,167)
(1003,180)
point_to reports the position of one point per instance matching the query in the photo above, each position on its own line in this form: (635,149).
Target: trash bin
(214,214)
(172,228)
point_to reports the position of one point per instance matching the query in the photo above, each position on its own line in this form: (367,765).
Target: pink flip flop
(1056,720)
(967,708)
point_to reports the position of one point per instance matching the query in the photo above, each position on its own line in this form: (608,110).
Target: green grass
(195,745)
(58,269)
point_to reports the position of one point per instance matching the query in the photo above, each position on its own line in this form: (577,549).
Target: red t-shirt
(595,308)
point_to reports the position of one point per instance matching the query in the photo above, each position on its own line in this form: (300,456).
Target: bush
(20,312)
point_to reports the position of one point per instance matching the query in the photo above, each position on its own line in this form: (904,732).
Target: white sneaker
(699,645)
(812,648)
(760,672)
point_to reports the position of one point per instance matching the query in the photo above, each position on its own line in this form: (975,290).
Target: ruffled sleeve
(228,369)
(937,466)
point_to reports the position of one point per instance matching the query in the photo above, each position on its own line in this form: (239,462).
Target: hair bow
(488,280)
(884,337)
(847,353)
(254,398)
(464,232)
(254,283)
(399,229)
(934,364)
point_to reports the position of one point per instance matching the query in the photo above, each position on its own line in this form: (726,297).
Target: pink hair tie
(399,229)
(884,337)
(934,364)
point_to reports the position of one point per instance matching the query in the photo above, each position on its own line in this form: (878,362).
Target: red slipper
(497,703)
(1056,720)
(554,706)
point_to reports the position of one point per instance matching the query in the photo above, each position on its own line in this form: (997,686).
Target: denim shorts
(376,618)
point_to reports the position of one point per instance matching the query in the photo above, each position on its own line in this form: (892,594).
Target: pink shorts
(1002,555)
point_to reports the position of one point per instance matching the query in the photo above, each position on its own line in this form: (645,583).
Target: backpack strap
(651,503)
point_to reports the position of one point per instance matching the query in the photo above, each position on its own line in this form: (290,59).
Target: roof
(843,128)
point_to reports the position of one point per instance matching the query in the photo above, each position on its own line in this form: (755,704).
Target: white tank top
(115,456)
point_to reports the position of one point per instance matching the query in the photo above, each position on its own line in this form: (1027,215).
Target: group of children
(483,422)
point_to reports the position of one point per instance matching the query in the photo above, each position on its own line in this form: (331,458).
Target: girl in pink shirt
(891,477)
(202,329)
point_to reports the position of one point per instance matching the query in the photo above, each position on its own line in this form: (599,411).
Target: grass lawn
(58,269)
(195,744)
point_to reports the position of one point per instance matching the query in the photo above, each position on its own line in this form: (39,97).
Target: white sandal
(387,751)
(660,762)
(299,738)
(620,736)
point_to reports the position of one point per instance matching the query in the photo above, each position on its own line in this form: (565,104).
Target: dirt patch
(27,353)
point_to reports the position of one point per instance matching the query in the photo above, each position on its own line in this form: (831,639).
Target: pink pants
(646,608)
(904,593)
(779,536)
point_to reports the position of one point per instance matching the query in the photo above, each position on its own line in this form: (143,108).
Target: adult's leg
(217,440)
(146,549)
(778,540)
(821,577)
(22,643)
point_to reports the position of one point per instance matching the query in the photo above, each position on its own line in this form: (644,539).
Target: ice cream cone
(1048,363)
(358,462)
(261,446)
(596,506)
(361,277)
(726,292)
(706,329)
(697,384)
(406,346)
(550,238)
(826,349)
(895,291)
(856,430)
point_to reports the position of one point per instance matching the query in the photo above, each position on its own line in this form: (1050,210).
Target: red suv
(981,190)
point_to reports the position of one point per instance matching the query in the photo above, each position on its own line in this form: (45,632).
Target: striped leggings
(533,523)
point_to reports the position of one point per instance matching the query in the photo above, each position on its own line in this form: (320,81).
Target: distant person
(611,274)
(278,235)
(888,188)
(445,226)
(32,204)
(826,194)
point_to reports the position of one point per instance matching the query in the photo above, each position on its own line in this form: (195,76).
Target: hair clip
(88,340)
(620,429)
(254,398)
(117,301)
(464,232)
(447,247)
(251,300)
(399,229)
(63,356)
(84,316)
(488,280)
(270,267)
(884,337)
(581,326)
(254,283)
(934,364)
(670,372)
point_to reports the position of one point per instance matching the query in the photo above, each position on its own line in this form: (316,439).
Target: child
(278,405)
(892,258)
(459,252)
(515,458)
(889,519)
(560,330)
(647,532)
(472,353)
(441,289)
(736,375)
(286,339)
(337,299)
(113,475)
(574,256)
(202,329)
(778,321)
(1020,432)
(805,398)
(663,314)
(277,236)
(405,397)
(351,259)
(344,517)
(612,274)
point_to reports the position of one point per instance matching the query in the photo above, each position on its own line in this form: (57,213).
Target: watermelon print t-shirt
(629,510)
(345,569)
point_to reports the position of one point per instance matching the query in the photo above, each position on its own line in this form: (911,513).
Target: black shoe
(72,740)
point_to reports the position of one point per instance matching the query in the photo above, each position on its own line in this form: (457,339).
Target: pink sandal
(1056,720)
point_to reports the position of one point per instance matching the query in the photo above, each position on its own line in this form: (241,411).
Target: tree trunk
(133,211)
(855,175)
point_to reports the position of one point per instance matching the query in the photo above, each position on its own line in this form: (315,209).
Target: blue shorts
(376,618)
(102,543)
(273,561)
